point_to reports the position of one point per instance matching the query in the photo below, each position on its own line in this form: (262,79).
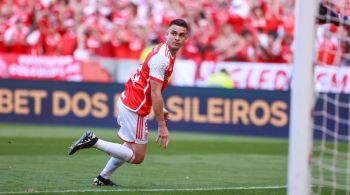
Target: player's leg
(128,122)
(112,165)
(134,131)
(104,178)
(116,150)
(131,152)
(139,152)
(89,140)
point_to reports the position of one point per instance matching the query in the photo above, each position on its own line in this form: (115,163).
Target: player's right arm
(157,66)
(157,103)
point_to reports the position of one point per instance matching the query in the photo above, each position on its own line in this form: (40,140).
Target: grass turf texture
(34,160)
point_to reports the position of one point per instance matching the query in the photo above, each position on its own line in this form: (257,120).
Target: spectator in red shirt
(119,40)
(52,42)
(228,44)
(69,40)
(3,28)
(287,53)
(327,48)
(92,39)
(35,41)
(137,38)
(14,38)
(249,50)
(257,19)
(123,24)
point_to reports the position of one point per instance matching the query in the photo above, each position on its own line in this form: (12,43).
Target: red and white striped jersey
(158,66)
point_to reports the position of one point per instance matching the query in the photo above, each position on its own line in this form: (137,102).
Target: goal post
(302,99)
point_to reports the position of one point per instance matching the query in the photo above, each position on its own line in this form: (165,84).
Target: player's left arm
(158,106)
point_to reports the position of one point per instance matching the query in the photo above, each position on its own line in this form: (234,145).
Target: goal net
(331,145)
(319,155)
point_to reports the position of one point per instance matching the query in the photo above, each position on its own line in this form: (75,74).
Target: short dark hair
(180,22)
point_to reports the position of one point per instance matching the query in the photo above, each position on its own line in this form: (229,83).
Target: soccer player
(142,92)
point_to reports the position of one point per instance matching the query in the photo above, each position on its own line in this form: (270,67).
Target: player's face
(176,36)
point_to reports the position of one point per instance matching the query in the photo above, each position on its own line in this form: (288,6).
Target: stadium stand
(224,30)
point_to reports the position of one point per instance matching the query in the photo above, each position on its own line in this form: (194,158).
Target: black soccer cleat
(85,141)
(100,181)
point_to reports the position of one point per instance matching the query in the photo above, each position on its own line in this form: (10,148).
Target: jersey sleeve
(157,67)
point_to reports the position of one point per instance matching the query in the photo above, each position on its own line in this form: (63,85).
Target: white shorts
(133,128)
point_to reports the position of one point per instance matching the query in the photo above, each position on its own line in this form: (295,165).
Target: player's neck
(172,51)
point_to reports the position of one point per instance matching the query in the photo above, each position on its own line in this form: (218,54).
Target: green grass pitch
(34,160)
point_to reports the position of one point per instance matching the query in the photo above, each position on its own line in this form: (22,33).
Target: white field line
(144,190)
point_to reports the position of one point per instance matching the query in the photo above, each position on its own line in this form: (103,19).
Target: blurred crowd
(221,30)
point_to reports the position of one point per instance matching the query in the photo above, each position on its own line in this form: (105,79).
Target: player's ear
(186,37)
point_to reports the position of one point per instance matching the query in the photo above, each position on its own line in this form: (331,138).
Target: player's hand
(163,136)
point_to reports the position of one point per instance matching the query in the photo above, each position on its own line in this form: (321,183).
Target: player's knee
(138,159)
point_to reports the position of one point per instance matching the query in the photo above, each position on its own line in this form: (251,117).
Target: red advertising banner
(260,76)
(278,76)
(63,68)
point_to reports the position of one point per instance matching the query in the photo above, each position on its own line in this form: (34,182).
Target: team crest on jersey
(163,67)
